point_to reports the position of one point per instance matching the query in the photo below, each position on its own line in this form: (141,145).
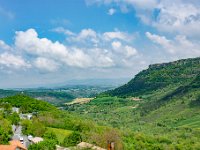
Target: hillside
(54,125)
(52,96)
(158,109)
(166,114)
(60,95)
(159,76)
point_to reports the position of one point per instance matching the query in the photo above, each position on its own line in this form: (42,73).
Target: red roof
(8,147)
(18,144)
(13,146)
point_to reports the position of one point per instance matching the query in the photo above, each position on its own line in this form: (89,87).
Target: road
(17,133)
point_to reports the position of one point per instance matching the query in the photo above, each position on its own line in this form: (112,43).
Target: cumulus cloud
(178,16)
(90,35)
(161,40)
(8,60)
(4,46)
(31,44)
(84,35)
(126,50)
(116,45)
(180,46)
(130,51)
(45,64)
(86,49)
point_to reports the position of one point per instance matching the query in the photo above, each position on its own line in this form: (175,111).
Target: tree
(33,127)
(5,130)
(44,145)
(14,118)
(26,127)
(73,139)
(49,135)
(3,136)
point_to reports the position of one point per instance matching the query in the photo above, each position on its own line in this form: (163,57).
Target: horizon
(59,41)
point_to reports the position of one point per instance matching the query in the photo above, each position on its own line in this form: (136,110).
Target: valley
(157,109)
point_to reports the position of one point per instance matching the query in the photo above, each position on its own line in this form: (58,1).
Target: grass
(60,133)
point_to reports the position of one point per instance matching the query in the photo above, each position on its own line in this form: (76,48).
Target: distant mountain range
(98,82)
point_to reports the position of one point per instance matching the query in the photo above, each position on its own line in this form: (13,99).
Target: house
(14,145)
(26,116)
(84,145)
(15,109)
(36,140)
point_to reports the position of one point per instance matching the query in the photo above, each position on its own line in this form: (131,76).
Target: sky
(45,42)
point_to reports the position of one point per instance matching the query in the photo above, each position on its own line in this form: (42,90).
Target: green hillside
(159,76)
(54,125)
(52,96)
(158,109)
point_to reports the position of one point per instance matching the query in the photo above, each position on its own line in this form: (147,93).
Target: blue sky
(46,42)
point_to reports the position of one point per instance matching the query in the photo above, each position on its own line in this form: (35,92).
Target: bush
(44,145)
(73,139)
(49,135)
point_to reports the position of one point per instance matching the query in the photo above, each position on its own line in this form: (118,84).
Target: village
(19,141)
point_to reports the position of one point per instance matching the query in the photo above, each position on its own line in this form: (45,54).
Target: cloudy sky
(51,41)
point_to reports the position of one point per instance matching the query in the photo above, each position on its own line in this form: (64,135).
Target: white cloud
(126,50)
(63,30)
(175,17)
(116,45)
(78,58)
(45,64)
(31,44)
(89,35)
(130,51)
(48,56)
(108,36)
(4,46)
(180,46)
(178,16)
(111,11)
(84,36)
(11,61)
(142,4)
(161,40)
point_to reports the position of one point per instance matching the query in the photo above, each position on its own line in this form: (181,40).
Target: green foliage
(14,118)
(159,76)
(7,108)
(73,139)
(4,137)
(34,127)
(27,104)
(49,135)
(5,130)
(60,133)
(166,117)
(44,145)
(107,110)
